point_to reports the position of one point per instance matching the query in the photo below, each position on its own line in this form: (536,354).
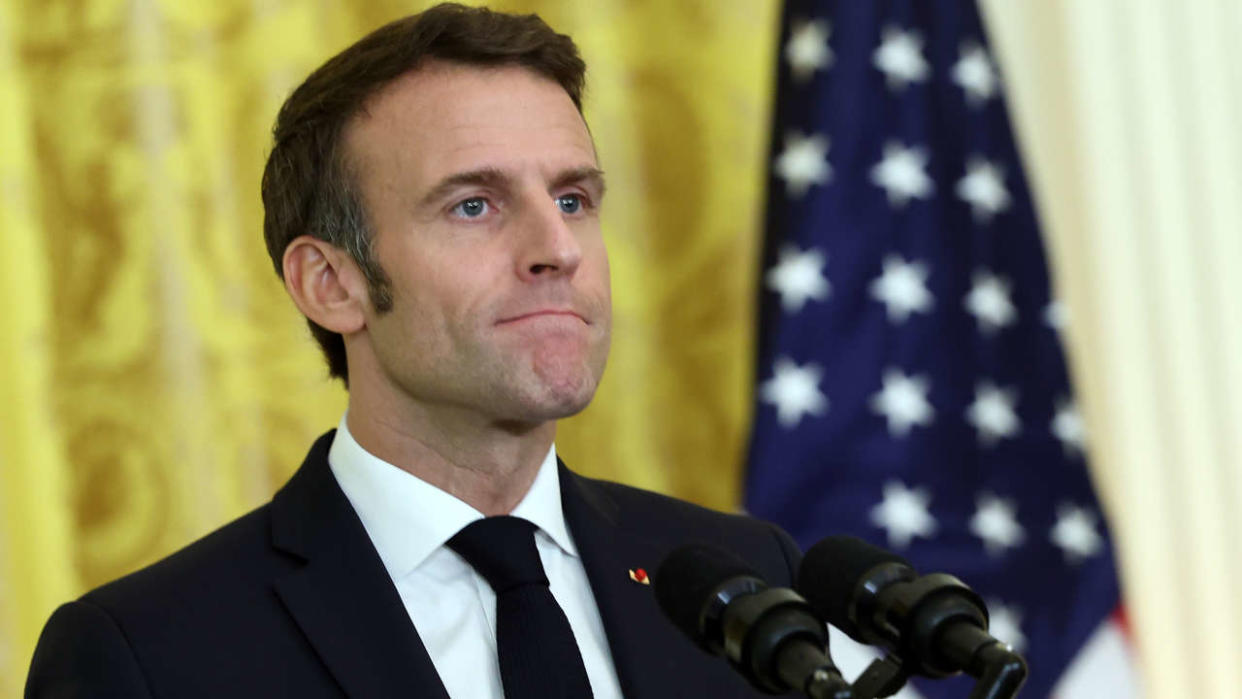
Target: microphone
(768,634)
(935,624)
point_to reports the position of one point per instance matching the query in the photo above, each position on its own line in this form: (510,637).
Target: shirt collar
(408,519)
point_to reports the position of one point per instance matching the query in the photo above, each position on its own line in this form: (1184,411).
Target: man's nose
(548,246)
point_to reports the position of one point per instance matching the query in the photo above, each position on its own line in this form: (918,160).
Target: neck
(488,466)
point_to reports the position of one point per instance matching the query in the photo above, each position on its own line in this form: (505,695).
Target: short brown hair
(308,186)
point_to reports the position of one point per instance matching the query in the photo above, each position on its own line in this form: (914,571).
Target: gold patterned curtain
(156,380)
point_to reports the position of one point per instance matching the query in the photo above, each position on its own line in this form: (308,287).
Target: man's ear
(326,284)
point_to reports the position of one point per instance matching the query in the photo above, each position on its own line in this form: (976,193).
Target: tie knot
(502,550)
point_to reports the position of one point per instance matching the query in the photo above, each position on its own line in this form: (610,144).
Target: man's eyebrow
(492,177)
(483,177)
(586,175)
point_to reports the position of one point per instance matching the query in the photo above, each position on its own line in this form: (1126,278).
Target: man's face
(482,188)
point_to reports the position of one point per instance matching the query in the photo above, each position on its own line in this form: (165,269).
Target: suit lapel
(343,600)
(638,633)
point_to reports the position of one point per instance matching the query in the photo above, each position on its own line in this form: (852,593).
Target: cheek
(595,266)
(595,287)
(416,317)
(605,270)
(458,305)
(435,286)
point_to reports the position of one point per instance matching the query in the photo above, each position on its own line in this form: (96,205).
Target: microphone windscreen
(687,581)
(831,571)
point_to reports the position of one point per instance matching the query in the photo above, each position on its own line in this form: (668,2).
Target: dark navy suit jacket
(292,600)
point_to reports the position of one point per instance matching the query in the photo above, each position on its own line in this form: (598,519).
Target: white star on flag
(1056,316)
(903,513)
(1075,533)
(903,401)
(995,521)
(974,73)
(988,301)
(807,49)
(1005,624)
(983,187)
(798,276)
(902,288)
(900,57)
(992,413)
(804,162)
(901,173)
(1067,426)
(794,390)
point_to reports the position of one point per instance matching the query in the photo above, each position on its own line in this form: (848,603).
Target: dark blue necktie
(539,657)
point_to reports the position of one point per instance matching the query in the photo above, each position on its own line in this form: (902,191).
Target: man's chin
(548,401)
(532,414)
(555,383)
(561,404)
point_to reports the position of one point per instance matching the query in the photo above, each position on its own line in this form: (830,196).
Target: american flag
(911,384)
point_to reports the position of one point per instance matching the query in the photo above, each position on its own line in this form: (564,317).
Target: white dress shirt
(452,607)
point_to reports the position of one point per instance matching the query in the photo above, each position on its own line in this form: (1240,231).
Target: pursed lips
(542,313)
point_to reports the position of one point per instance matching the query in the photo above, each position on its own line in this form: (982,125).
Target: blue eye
(473,207)
(569,203)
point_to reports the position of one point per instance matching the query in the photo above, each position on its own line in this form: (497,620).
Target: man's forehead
(437,90)
(458,112)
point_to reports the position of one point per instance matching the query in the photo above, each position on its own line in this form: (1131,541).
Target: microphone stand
(1000,670)
(883,677)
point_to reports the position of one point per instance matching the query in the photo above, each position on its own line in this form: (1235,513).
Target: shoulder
(227,562)
(667,523)
(237,562)
(82,649)
(213,598)
(628,499)
(129,636)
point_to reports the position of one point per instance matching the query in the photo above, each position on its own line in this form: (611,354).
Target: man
(432,204)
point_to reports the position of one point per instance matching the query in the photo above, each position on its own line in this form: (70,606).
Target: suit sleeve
(82,654)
